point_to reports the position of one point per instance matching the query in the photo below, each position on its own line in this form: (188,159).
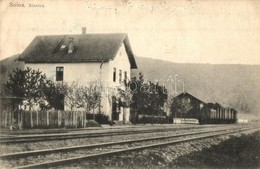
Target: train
(186,106)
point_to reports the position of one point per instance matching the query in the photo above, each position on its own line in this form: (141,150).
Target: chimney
(84,30)
(71,45)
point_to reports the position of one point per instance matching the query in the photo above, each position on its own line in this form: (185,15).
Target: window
(114,75)
(59,73)
(188,100)
(125,78)
(62,47)
(201,105)
(120,76)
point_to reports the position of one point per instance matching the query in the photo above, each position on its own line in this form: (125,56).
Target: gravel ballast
(172,156)
(11,148)
(151,158)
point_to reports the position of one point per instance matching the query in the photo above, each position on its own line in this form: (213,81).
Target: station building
(84,58)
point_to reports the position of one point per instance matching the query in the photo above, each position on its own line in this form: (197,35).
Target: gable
(187,95)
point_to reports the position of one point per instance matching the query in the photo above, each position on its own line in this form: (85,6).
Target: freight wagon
(217,114)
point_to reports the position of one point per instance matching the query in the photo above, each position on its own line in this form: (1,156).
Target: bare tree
(71,96)
(95,95)
(90,96)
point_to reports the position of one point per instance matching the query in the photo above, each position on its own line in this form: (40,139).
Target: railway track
(63,136)
(77,153)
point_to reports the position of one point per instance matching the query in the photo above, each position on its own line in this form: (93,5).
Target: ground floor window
(115,109)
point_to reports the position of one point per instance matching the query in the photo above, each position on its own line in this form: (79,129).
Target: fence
(43,119)
(7,118)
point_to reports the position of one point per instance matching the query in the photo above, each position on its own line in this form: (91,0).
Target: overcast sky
(178,31)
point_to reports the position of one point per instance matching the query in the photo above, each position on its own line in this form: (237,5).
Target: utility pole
(100,77)
(175,83)
(183,85)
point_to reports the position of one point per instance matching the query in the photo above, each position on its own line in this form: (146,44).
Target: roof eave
(130,53)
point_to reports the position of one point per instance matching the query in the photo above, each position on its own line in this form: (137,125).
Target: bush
(152,119)
(100,118)
(92,123)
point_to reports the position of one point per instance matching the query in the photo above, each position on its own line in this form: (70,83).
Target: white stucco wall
(81,73)
(121,62)
(74,72)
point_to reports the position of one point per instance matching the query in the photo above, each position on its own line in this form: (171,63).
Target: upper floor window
(125,78)
(114,75)
(120,76)
(59,73)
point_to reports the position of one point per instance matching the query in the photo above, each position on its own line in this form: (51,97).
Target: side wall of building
(120,63)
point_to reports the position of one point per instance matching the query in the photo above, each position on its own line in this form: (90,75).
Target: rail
(117,151)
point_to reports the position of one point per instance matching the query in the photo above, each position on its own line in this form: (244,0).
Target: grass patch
(236,152)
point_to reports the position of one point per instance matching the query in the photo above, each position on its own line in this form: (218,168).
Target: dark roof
(190,96)
(211,105)
(219,105)
(11,97)
(88,48)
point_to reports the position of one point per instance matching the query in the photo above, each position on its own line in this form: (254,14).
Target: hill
(7,66)
(237,86)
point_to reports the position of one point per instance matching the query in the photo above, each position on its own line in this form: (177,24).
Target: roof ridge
(84,34)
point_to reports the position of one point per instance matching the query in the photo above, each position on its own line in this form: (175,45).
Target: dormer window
(62,47)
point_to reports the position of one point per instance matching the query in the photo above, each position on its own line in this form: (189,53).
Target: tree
(95,96)
(159,98)
(54,95)
(147,98)
(27,84)
(72,98)
(90,96)
(125,96)
(138,102)
(167,107)
(180,107)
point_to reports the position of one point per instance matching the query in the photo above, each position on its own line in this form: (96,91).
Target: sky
(183,31)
